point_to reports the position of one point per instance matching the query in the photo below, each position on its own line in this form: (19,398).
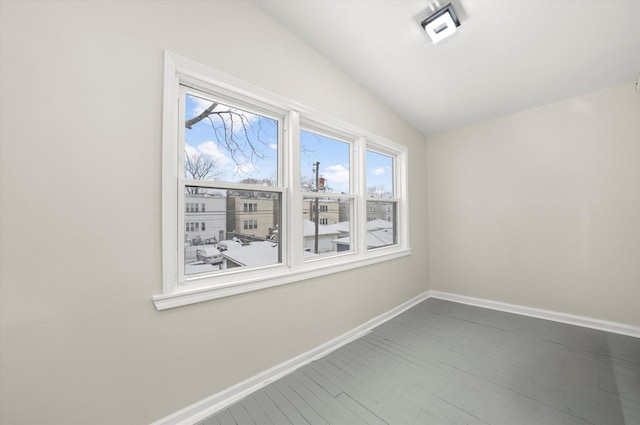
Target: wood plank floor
(447,363)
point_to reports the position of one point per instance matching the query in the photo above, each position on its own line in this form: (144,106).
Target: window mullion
(401,191)
(181,231)
(360,188)
(322,195)
(295,243)
(214,184)
(180,187)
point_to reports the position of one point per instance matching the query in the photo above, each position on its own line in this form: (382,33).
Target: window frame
(326,129)
(247,104)
(395,199)
(179,72)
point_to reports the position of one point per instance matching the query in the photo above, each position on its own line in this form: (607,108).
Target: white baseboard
(587,322)
(207,407)
(210,405)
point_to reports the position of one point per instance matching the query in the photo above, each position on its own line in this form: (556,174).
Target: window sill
(192,293)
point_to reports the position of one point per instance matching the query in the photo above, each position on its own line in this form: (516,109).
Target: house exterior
(251,216)
(380,210)
(331,211)
(205,217)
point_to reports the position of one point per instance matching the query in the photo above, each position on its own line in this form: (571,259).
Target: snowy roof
(342,227)
(200,267)
(375,239)
(309,254)
(310,229)
(254,254)
(257,253)
(230,244)
(379,224)
(380,238)
(345,226)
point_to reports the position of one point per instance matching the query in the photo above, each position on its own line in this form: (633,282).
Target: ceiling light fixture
(441,24)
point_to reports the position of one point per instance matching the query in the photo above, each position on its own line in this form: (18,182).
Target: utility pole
(316,168)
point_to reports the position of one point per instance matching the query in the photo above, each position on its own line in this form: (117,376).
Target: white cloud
(273,146)
(378,171)
(211,150)
(191,152)
(245,168)
(336,174)
(224,163)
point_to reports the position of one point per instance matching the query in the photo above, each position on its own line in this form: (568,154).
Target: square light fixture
(441,24)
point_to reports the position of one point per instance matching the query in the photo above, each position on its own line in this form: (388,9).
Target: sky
(244,128)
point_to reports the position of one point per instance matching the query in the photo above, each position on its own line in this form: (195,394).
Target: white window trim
(178,71)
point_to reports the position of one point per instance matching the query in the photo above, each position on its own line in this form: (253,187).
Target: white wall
(81,110)
(542,208)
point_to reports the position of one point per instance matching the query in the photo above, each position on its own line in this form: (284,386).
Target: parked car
(209,255)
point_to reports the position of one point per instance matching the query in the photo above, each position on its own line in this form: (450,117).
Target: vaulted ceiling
(507,55)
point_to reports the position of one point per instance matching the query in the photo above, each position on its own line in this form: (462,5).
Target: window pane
(324,164)
(326,225)
(381,224)
(379,175)
(227,144)
(228,236)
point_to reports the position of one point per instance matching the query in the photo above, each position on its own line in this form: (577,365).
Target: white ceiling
(508,55)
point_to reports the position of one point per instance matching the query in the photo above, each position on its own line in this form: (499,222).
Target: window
(325,182)
(247,139)
(250,224)
(381,200)
(290,193)
(249,207)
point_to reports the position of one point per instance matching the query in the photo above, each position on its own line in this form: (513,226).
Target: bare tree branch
(198,167)
(242,144)
(204,114)
(378,191)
